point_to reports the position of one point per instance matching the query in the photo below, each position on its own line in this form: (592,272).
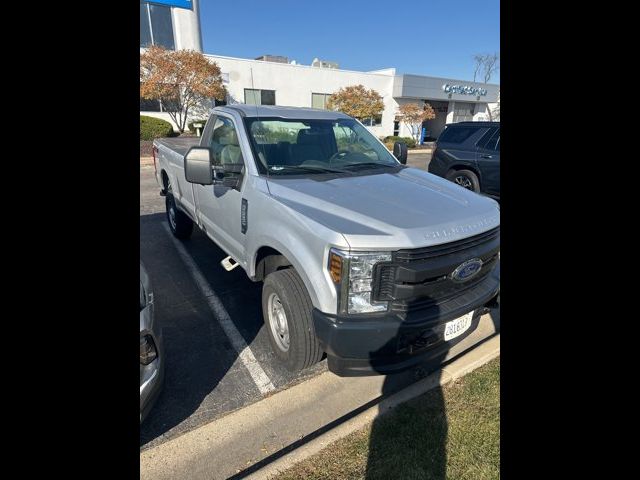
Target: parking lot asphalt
(419,159)
(206,375)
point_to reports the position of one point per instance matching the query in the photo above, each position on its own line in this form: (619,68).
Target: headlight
(353,275)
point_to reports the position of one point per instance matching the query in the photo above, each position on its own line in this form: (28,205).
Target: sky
(427,37)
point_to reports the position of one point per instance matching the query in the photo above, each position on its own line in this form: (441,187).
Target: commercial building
(274,80)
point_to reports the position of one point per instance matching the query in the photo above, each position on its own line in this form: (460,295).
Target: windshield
(311,147)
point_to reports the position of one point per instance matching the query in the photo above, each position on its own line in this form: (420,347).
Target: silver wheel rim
(172,216)
(464,182)
(278,322)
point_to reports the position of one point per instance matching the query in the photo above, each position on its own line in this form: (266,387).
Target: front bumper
(391,342)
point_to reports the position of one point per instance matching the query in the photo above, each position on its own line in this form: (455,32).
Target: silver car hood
(406,209)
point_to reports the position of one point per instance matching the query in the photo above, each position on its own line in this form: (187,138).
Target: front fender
(303,242)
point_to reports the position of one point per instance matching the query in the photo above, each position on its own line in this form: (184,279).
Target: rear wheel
(180,225)
(465,178)
(286,307)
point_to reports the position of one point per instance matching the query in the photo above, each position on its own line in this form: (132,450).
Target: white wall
(495,115)
(294,84)
(186,28)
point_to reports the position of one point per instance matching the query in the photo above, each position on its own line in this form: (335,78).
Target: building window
(147,105)
(319,100)
(463,112)
(145,29)
(259,97)
(156,26)
(371,121)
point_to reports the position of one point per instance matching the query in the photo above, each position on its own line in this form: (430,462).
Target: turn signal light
(335,267)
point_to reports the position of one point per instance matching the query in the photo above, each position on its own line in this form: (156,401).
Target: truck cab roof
(473,123)
(281,112)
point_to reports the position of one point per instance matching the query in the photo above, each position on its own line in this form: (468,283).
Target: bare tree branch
(478,58)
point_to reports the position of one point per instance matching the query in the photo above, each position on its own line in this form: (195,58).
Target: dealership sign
(175,3)
(464,90)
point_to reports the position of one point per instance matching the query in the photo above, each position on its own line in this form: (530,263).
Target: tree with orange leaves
(413,114)
(357,102)
(183,80)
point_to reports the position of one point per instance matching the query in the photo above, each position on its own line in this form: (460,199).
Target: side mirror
(400,152)
(197,166)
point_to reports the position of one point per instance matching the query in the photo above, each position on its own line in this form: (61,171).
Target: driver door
(219,206)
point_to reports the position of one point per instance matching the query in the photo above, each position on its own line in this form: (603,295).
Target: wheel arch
(164,176)
(472,168)
(272,255)
(267,260)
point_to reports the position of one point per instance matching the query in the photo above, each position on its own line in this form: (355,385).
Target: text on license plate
(457,327)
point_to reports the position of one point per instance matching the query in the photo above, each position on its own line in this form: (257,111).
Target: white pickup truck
(377,265)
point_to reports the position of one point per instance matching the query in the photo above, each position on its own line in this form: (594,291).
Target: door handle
(486,156)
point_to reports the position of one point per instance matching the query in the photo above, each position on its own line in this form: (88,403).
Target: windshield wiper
(308,168)
(371,164)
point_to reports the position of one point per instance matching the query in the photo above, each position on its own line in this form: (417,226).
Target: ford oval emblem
(467,270)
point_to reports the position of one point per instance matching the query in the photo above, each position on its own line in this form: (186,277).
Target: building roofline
(304,66)
(447,78)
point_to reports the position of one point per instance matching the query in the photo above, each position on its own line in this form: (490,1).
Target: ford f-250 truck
(376,264)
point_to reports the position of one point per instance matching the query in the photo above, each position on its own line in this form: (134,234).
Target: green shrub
(190,124)
(151,128)
(411,142)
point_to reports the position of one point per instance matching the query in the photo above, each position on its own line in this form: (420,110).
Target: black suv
(468,153)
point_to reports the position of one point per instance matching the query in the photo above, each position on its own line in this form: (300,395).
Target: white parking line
(245,354)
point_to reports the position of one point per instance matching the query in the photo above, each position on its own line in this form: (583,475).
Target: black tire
(181,226)
(465,178)
(303,349)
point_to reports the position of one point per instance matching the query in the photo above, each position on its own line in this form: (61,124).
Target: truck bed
(180,145)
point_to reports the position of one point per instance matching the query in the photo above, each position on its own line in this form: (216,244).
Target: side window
(347,140)
(494,142)
(224,143)
(456,134)
(486,137)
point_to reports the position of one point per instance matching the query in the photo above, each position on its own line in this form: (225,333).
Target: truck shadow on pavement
(429,459)
(398,445)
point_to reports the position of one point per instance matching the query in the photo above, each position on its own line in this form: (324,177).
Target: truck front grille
(429,269)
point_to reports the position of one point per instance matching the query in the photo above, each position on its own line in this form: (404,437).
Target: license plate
(457,327)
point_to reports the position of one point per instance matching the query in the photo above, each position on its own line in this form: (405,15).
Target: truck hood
(408,208)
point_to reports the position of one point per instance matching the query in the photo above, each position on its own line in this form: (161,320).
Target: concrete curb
(458,368)
(272,434)
(146,160)
(421,150)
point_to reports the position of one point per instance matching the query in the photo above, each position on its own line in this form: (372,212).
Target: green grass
(451,433)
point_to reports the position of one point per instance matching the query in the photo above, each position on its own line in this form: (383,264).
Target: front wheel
(465,178)
(286,307)
(180,225)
